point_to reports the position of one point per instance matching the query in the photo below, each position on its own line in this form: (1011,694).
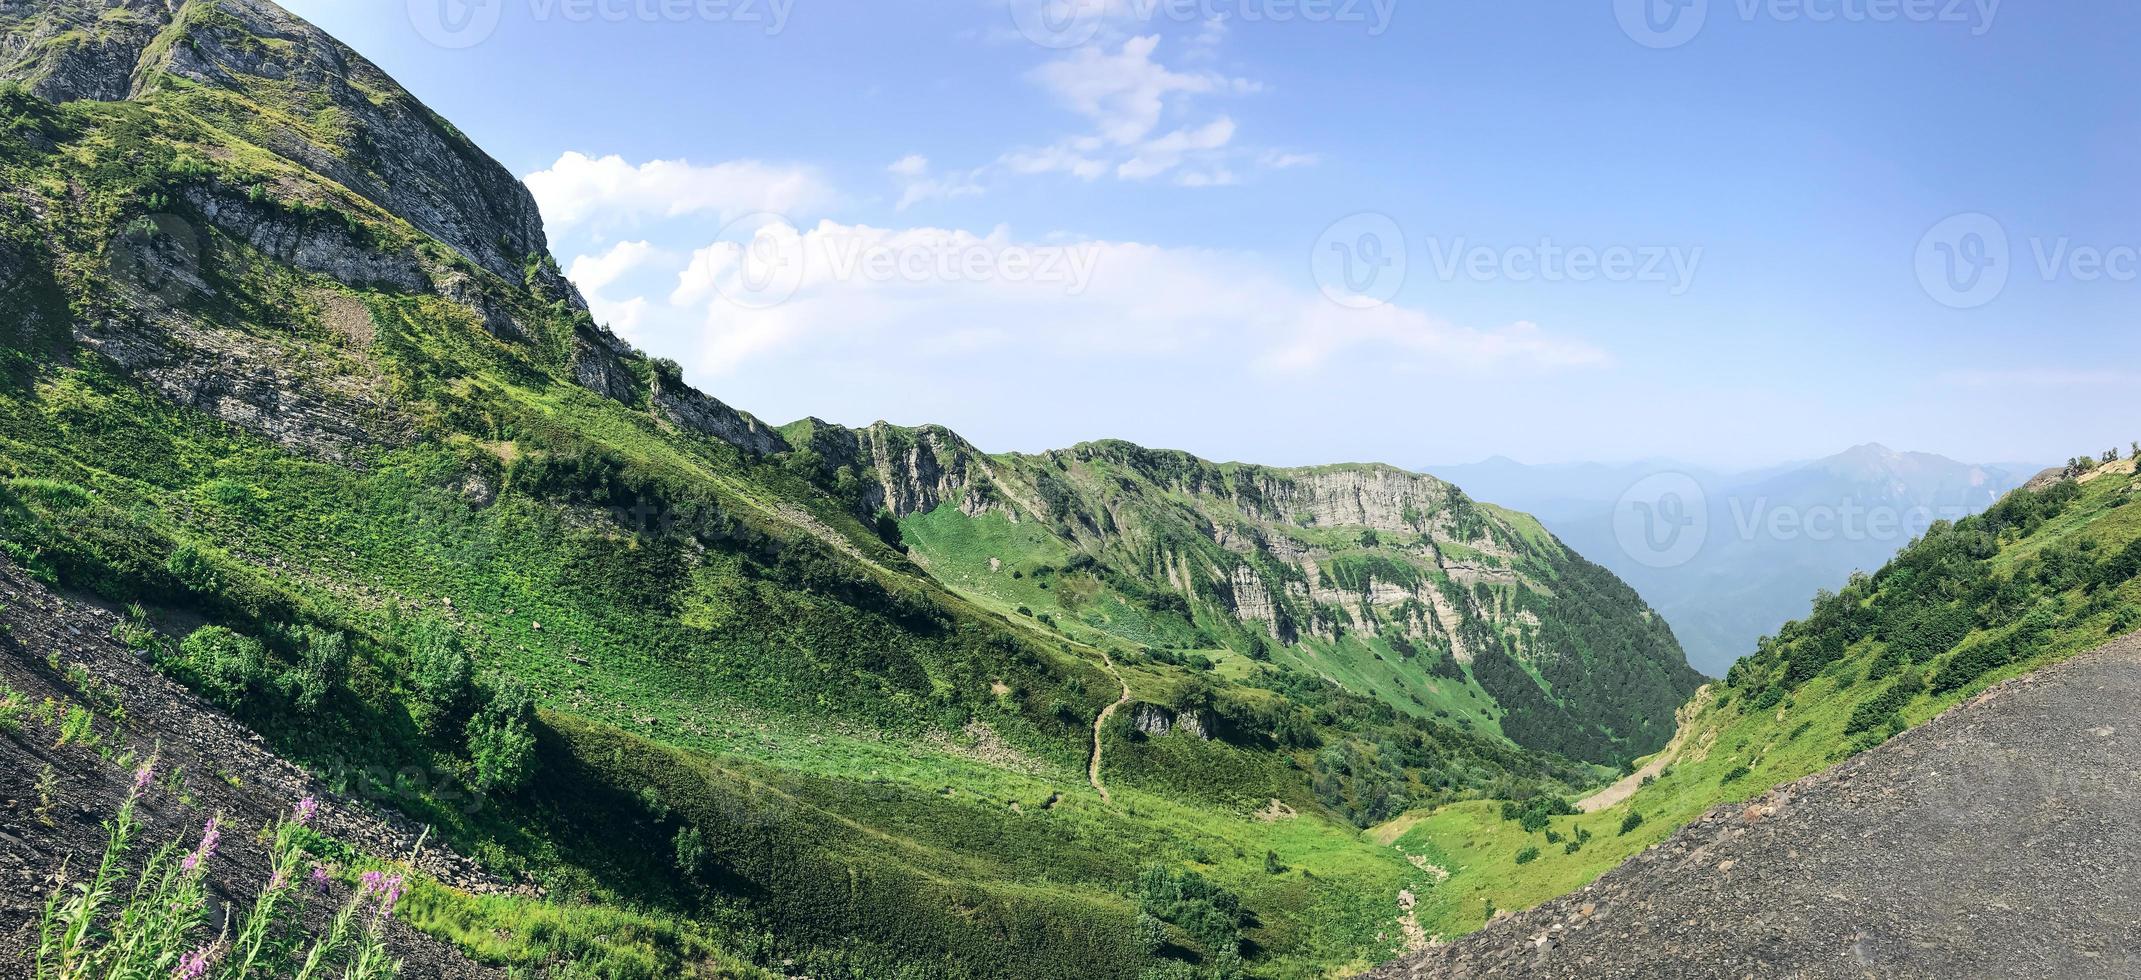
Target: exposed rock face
(392,149)
(386,146)
(689,408)
(1995,841)
(64,51)
(908,471)
(317,247)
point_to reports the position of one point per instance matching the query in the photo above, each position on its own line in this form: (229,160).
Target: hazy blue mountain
(1730,556)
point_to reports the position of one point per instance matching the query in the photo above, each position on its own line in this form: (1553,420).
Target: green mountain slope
(2051,571)
(285,364)
(1390,584)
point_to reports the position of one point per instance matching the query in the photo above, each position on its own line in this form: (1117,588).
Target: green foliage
(1630,822)
(500,743)
(223,665)
(1527,855)
(1875,711)
(442,674)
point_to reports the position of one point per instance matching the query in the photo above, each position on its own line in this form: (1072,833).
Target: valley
(321,481)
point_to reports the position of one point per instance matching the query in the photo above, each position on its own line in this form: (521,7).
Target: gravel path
(1999,840)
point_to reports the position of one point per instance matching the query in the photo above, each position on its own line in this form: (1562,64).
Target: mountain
(1757,544)
(1391,584)
(2047,575)
(291,388)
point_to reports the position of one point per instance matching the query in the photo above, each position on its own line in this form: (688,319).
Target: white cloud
(579,189)
(917,184)
(833,291)
(594,274)
(1166,153)
(1126,93)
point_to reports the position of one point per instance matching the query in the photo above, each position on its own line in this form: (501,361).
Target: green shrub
(224,666)
(441,672)
(500,742)
(1527,855)
(1630,823)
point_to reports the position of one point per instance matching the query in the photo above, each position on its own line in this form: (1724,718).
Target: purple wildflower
(393,894)
(319,878)
(306,809)
(279,882)
(211,835)
(192,966)
(143,777)
(370,883)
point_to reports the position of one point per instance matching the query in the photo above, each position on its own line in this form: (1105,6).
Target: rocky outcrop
(385,145)
(912,471)
(322,248)
(691,409)
(64,51)
(1997,840)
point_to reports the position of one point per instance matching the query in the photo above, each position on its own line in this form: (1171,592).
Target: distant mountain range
(1726,556)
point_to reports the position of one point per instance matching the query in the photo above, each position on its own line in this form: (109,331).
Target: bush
(1630,823)
(324,663)
(1527,855)
(499,741)
(1735,774)
(224,666)
(440,670)
(1878,709)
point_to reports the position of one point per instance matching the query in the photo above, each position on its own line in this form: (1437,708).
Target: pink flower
(319,878)
(211,835)
(393,894)
(143,777)
(192,966)
(370,882)
(306,809)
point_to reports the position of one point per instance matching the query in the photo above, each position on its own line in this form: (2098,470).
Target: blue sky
(1730,237)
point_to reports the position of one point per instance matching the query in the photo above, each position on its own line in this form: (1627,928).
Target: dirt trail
(1627,785)
(1093,771)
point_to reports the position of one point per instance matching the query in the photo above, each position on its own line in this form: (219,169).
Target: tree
(691,851)
(325,660)
(500,741)
(440,669)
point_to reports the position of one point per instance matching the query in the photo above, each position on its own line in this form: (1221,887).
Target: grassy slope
(1129,534)
(1740,742)
(810,711)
